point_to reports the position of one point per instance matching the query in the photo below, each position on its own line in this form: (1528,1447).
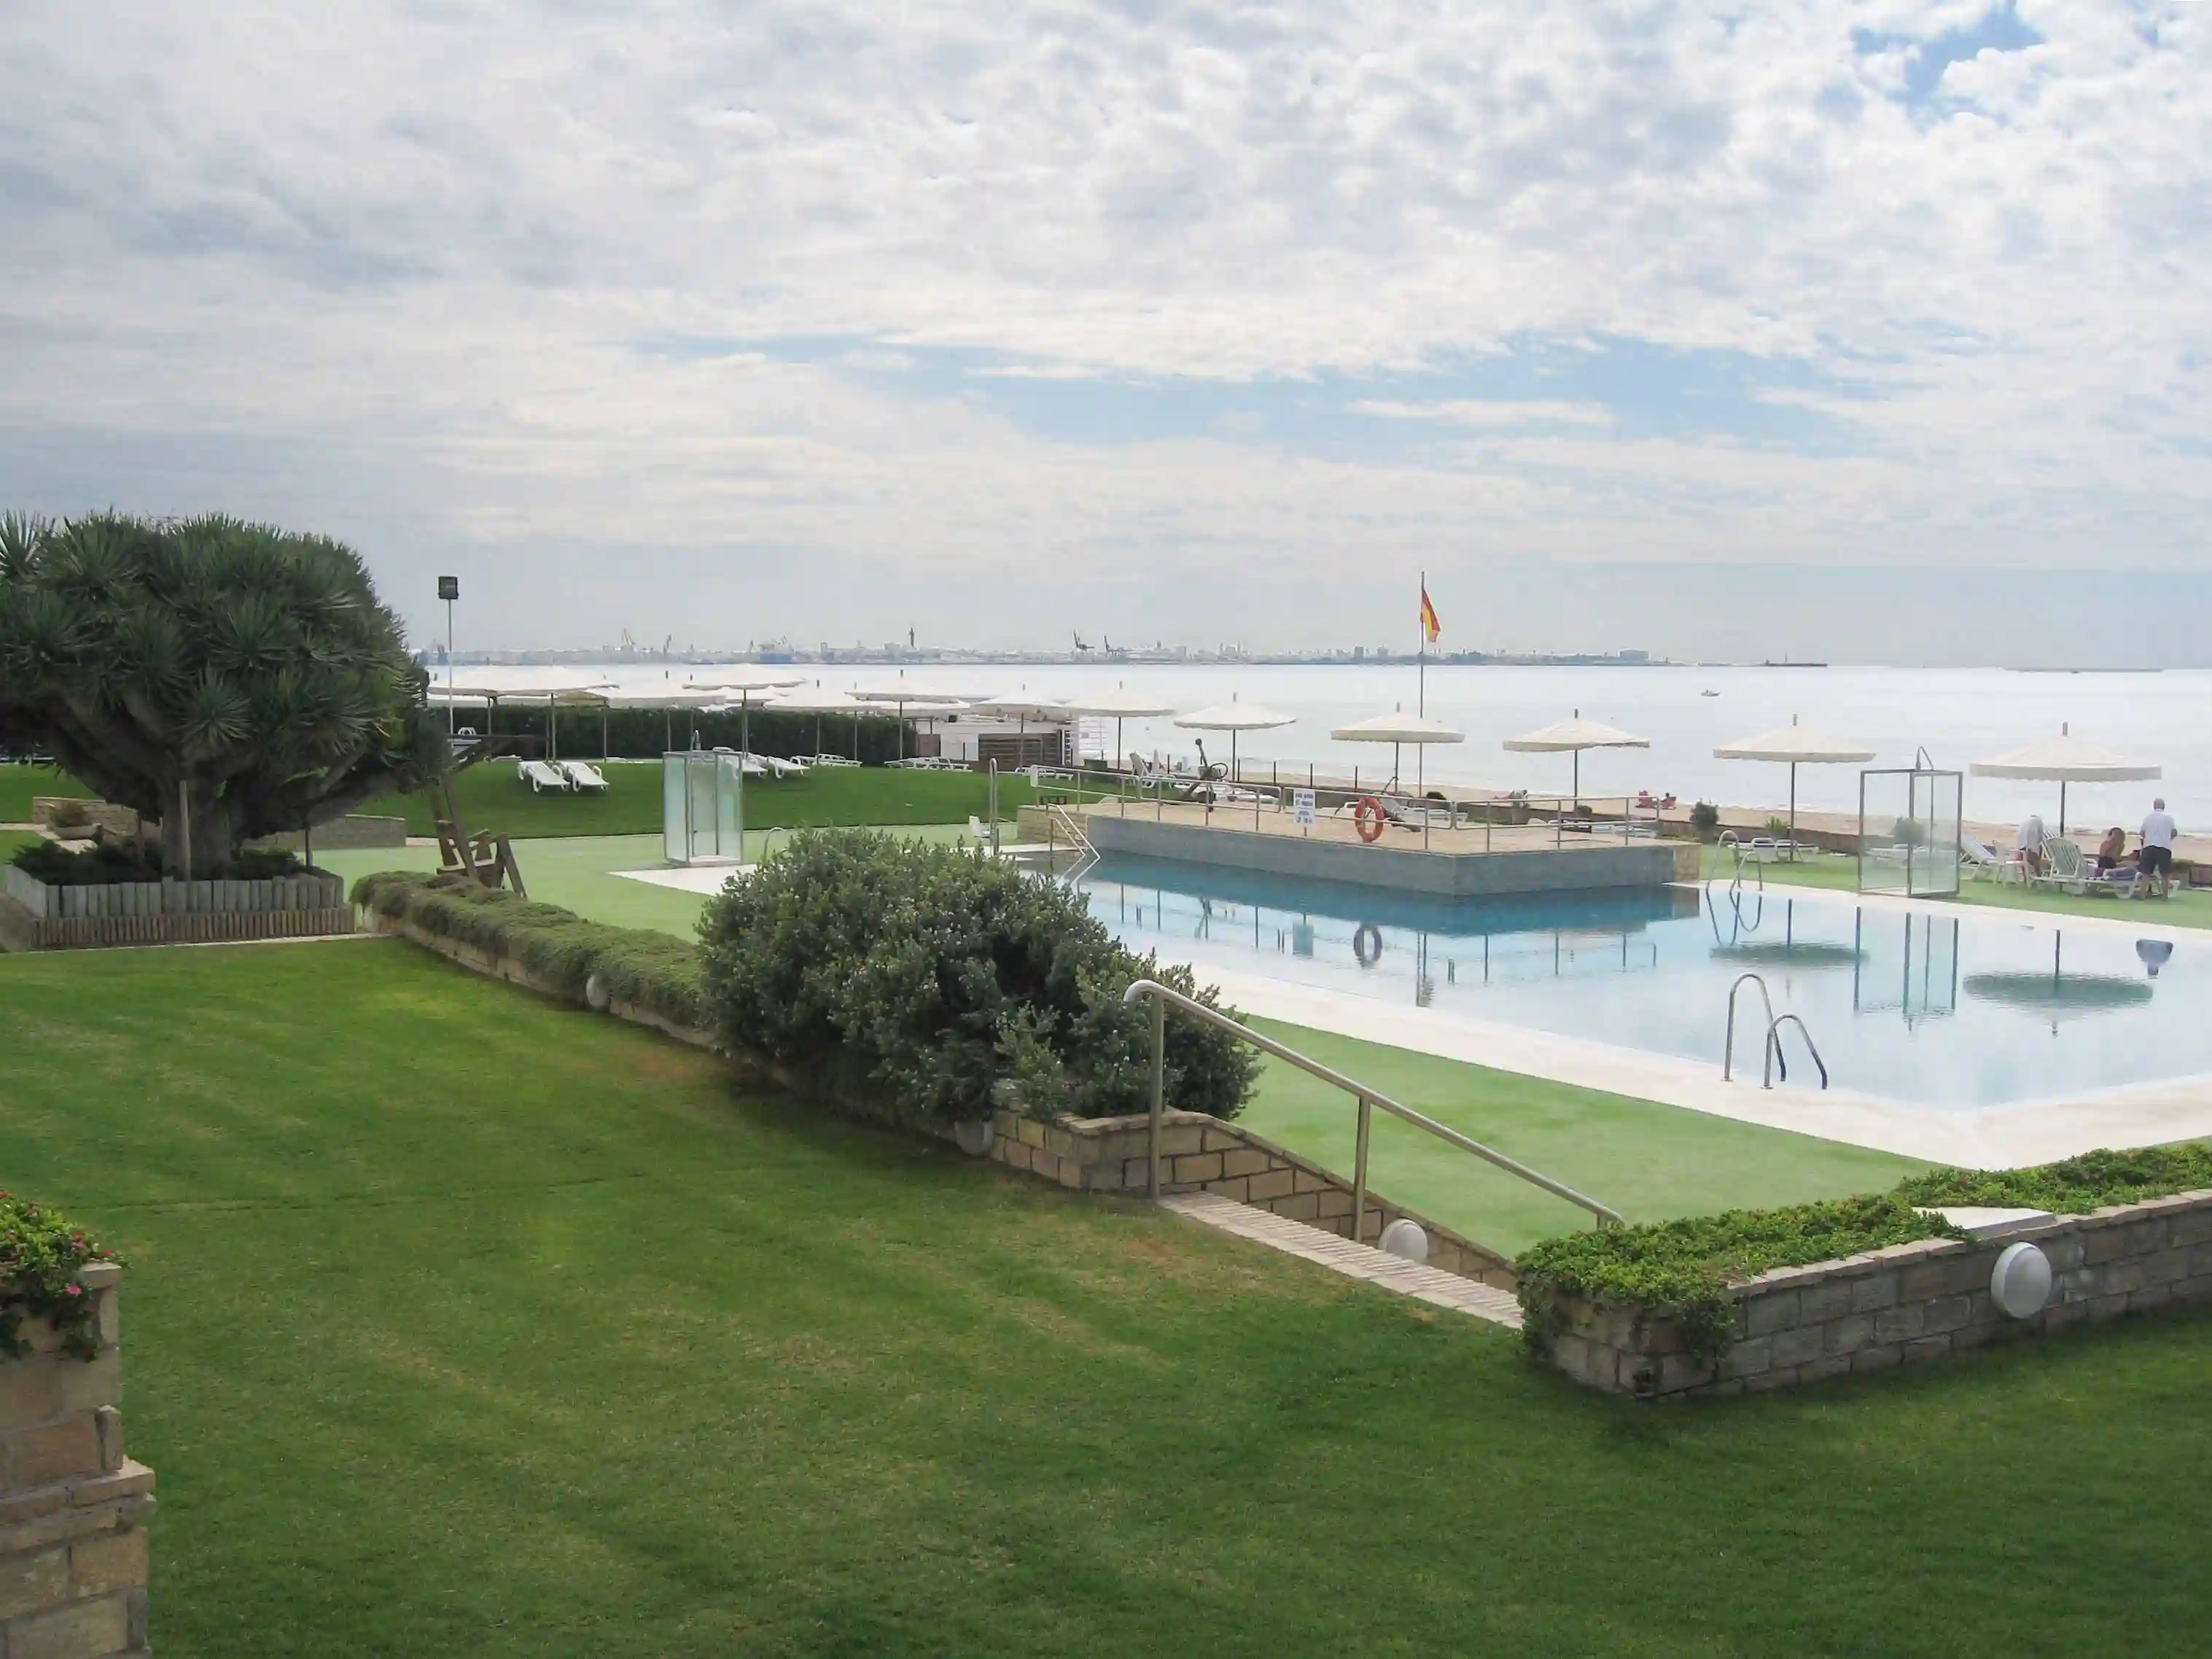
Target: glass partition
(1909,831)
(703,807)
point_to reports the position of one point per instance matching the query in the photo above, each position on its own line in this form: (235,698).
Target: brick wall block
(33,1581)
(38,1457)
(83,1630)
(110,1561)
(1776,1311)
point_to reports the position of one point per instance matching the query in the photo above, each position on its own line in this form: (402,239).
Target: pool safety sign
(1302,806)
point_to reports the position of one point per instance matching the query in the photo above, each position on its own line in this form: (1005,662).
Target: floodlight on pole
(449,589)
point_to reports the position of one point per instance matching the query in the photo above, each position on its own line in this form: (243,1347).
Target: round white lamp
(1405,1240)
(2021,1282)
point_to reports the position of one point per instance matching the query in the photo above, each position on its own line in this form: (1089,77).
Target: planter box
(73,1507)
(1899,1306)
(36,915)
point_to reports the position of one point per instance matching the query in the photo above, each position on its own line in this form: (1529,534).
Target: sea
(1948,717)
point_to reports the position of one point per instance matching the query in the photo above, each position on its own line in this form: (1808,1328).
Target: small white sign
(1302,806)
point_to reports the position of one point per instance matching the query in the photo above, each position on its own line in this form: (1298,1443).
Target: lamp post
(449,589)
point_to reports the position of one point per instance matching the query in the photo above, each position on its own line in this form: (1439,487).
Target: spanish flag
(1430,626)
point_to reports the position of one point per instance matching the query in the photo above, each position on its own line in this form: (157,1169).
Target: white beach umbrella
(1021,709)
(819,703)
(2063,760)
(1396,728)
(1234,717)
(904,696)
(1118,705)
(1572,737)
(1795,746)
(744,688)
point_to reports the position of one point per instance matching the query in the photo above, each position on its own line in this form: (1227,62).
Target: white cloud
(1466,411)
(427,237)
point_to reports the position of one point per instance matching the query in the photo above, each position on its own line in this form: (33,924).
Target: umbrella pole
(1578,777)
(1792,811)
(2061,806)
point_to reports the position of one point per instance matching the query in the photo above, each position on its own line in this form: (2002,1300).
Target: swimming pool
(1958,1011)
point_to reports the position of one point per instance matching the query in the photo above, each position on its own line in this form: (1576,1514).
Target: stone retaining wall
(1203,1154)
(73,1555)
(1899,1306)
(35,916)
(71,816)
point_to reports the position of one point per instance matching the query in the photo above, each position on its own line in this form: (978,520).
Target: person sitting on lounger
(2028,843)
(2112,849)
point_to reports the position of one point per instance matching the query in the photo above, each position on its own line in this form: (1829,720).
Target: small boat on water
(1708,694)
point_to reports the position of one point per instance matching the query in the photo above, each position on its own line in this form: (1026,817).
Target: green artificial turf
(19,783)
(578,873)
(1648,1161)
(2184,907)
(457,1322)
(13,841)
(492,796)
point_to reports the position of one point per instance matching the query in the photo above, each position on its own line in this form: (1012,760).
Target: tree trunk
(212,833)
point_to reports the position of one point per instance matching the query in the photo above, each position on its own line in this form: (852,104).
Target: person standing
(2029,844)
(2156,857)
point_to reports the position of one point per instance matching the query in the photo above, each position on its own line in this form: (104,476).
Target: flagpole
(1421,704)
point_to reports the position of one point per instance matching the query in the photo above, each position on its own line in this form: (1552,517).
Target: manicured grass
(13,840)
(19,783)
(576,873)
(2185,906)
(493,797)
(1648,1161)
(457,1322)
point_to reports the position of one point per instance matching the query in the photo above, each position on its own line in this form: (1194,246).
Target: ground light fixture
(2020,1283)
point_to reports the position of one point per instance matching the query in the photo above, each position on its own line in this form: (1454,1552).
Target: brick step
(1430,1285)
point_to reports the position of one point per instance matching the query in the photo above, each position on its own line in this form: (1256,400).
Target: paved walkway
(1430,1285)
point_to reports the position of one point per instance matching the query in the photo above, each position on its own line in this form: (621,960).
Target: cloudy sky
(1880,331)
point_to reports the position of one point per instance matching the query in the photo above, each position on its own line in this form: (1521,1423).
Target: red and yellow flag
(1430,626)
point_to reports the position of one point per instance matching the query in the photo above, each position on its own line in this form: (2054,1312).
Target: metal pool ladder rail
(1162,998)
(1771,1059)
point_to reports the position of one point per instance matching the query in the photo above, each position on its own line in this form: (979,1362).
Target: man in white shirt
(2030,841)
(2156,858)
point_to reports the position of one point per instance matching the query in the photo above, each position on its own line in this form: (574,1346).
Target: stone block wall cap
(1989,1221)
(1097,1125)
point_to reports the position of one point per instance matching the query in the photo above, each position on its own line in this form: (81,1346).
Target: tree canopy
(226,680)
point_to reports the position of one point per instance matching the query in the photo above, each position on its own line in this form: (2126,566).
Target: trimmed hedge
(41,1254)
(1682,1270)
(2073,1186)
(638,965)
(110,862)
(913,980)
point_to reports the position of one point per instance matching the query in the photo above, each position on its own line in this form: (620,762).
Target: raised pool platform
(1465,863)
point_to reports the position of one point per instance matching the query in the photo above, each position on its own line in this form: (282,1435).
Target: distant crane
(1079,645)
(628,645)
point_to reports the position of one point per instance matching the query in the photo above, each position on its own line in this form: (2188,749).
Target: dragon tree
(226,680)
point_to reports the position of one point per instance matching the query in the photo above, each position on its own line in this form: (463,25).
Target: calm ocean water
(1958,715)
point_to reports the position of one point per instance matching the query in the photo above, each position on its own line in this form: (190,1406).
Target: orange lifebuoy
(1368,818)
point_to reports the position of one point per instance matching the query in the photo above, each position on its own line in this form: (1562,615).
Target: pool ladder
(1772,1060)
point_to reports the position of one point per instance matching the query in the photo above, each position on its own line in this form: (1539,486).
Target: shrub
(41,1254)
(559,947)
(1777,827)
(1705,818)
(1680,1270)
(89,866)
(2073,1186)
(910,979)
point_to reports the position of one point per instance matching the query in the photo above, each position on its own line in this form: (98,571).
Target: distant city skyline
(1877,333)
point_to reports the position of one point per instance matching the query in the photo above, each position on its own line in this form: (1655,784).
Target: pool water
(1956,1012)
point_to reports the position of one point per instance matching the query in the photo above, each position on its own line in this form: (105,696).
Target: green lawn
(2185,906)
(575,873)
(18,783)
(13,840)
(1646,1160)
(457,1322)
(493,797)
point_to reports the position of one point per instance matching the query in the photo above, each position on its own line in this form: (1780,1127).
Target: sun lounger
(583,776)
(540,777)
(2067,872)
(831,760)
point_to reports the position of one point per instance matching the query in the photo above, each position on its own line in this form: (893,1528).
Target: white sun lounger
(583,776)
(540,777)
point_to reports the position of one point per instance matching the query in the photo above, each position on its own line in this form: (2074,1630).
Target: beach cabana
(1795,746)
(2063,760)
(1572,737)
(1234,717)
(1397,728)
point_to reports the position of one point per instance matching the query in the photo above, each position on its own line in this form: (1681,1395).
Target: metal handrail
(1164,998)
(1727,1044)
(1774,1037)
(1771,1059)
